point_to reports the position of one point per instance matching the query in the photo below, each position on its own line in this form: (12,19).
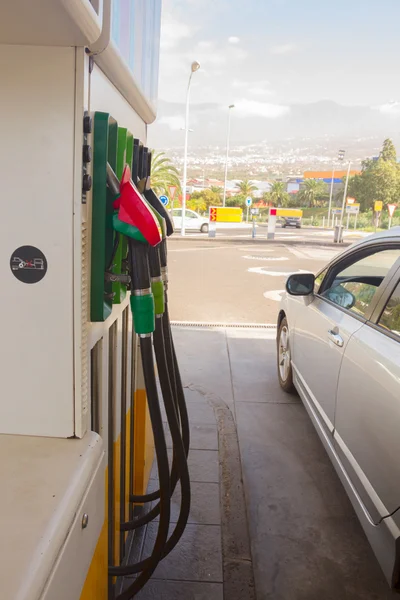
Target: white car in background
(193,221)
(338,346)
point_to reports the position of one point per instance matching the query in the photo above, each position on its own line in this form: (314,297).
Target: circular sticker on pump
(28,264)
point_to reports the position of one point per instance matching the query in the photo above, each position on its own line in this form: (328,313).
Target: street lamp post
(227,151)
(345,194)
(341,154)
(194,67)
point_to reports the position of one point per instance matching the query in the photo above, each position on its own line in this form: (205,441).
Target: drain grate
(210,325)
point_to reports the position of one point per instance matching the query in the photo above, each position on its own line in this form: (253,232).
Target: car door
(177,217)
(192,220)
(324,326)
(368,407)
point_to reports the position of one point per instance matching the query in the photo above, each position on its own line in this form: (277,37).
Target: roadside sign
(255,211)
(172,191)
(249,201)
(353,209)
(378,206)
(336,211)
(164,200)
(225,214)
(351,200)
(391,208)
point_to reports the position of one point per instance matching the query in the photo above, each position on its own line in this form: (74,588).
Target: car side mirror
(300,284)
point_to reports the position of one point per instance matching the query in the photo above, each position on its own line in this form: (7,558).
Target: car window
(355,286)
(177,212)
(390,317)
(190,215)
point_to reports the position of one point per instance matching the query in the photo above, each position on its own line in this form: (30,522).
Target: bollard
(253,231)
(271,224)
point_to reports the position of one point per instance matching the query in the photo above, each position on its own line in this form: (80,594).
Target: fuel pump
(146,229)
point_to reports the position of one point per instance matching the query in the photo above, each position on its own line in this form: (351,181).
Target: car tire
(204,228)
(285,372)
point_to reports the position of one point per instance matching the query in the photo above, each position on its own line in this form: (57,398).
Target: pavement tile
(202,437)
(205,505)
(197,557)
(181,590)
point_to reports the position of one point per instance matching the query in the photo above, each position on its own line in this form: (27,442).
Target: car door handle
(336,338)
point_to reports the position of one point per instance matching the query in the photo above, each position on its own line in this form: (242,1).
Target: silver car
(338,346)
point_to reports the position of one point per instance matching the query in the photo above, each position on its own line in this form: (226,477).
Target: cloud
(390,108)
(173,32)
(233,40)
(174,122)
(283,49)
(205,45)
(256,88)
(253,108)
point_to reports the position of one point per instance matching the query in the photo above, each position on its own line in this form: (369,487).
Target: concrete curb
(237,562)
(277,242)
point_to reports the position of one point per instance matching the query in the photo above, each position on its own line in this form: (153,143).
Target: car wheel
(204,228)
(285,373)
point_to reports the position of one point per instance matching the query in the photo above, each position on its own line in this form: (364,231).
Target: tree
(312,191)
(207,197)
(378,180)
(217,190)
(246,187)
(278,194)
(164,174)
(238,200)
(388,152)
(197,204)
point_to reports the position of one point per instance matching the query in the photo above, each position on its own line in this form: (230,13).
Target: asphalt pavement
(234,282)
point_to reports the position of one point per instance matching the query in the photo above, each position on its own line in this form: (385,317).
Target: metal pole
(330,198)
(355,221)
(348,219)
(227,152)
(185,156)
(247,216)
(390,222)
(345,194)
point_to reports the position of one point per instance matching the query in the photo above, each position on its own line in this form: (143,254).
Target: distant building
(326,176)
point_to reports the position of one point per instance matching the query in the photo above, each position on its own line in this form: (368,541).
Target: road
(243,231)
(232,282)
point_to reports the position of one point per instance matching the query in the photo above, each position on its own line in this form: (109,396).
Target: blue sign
(164,200)
(249,201)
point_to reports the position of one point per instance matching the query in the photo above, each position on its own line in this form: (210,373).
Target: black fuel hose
(140,277)
(163,474)
(155,272)
(179,463)
(181,459)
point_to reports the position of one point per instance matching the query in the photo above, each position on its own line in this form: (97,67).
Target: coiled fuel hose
(142,304)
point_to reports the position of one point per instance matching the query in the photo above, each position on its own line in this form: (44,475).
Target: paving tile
(202,437)
(307,543)
(203,466)
(205,504)
(197,557)
(181,590)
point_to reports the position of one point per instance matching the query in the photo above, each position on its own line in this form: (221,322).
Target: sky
(266,55)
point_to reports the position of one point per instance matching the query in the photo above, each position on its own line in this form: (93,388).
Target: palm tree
(312,190)
(164,174)
(217,190)
(278,192)
(246,187)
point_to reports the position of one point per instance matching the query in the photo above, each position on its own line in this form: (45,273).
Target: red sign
(272,212)
(172,190)
(391,208)
(213,214)
(350,200)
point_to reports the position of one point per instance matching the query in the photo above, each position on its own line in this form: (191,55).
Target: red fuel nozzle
(133,210)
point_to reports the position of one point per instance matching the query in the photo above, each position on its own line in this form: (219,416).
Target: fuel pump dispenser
(143,220)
